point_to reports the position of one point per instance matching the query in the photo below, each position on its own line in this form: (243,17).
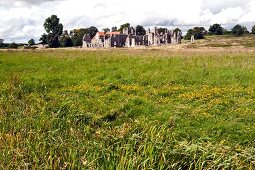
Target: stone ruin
(128,38)
(192,39)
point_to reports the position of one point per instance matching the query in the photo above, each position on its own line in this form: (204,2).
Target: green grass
(224,41)
(127,109)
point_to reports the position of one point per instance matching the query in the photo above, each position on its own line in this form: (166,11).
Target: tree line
(56,37)
(217,29)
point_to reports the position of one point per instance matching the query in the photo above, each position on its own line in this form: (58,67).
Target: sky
(22,20)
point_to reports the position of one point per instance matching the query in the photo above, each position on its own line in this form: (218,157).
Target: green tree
(189,34)
(245,30)
(216,29)
(202,30)
(44,39)
(105,30)
(253,30)
(77,36)
(198,32)
(114,29)
(140,30)
(176,30)
(65,40)
(238,30)
(123,26)
(54,30)
(13,45)
(53,40)
(92,31)
(1,43)
(65,33)
(161,30)
(31,42)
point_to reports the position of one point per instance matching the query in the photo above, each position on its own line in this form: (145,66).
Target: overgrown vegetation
(127,109)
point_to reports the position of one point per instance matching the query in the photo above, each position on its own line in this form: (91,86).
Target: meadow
(127,109)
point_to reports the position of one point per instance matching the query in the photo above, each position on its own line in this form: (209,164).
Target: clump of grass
(133,145)
(192,46)
(141,145)
(218,45)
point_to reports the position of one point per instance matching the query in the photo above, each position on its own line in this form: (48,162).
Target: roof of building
(108,33)
(113,33)
(101,33)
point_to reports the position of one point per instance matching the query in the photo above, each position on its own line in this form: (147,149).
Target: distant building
(128,38)
(41,46)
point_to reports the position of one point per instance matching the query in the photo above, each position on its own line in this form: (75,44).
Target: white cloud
(22,20)
(227,15)
(216,6)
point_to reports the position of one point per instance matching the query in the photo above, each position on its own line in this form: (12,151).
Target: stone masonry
(128,38)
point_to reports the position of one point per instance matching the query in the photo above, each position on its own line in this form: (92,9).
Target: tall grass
(133,145)
(127,109)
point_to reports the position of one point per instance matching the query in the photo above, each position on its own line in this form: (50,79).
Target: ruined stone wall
(129,39)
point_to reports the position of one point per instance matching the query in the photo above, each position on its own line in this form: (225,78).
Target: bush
(198,33)
(253,30)
(31,42)
(1,43)
(13,45)
(239,30)
(216,29)
(66,41)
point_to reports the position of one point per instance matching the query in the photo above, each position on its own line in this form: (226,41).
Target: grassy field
(225,41)
(127,109)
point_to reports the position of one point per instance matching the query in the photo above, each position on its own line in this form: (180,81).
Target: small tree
(188,35)
(140,30)
(176,30)
(216,29)
(44,39)
(245,30)
(31,42)
(253,30)
(105,30)
(65,40)
(114,29)
(198,32)
(53,40)
(77,36)
(13,45)
(238,30)
(1,43)
(123,26)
